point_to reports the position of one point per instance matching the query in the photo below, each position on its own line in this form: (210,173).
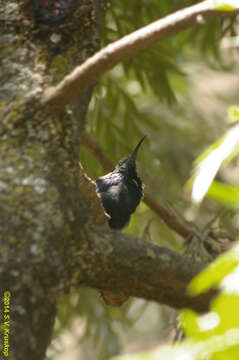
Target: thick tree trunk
(39,172)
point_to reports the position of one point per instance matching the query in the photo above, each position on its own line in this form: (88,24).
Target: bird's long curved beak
(133,156)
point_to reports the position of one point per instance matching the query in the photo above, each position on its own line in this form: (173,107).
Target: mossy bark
(40,205)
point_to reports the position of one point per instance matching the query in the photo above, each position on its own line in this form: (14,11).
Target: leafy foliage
(214,335)
(221,152)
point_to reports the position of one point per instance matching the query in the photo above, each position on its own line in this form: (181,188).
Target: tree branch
(120,263)
(104,60)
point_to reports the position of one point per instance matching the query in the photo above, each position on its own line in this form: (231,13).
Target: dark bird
(121,190)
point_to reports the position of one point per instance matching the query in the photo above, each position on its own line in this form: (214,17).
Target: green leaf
(225,194)
(223,150)
(215,272)
(225,5)
(226,305)
(233,114)
(188,321)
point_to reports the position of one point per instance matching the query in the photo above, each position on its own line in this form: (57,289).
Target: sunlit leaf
(224,305)
(209,166)
(225,5)
(225,194)
(188,321)
(200,327)
(230,283)
(233,114)
(215,272)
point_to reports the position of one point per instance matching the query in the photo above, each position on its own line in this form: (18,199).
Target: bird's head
(127,165)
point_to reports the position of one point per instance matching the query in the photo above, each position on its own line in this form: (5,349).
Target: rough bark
(118,262)
(40,204)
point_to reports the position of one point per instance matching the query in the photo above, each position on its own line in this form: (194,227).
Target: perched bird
(121,190)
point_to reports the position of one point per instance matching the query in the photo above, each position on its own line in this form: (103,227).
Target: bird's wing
(103,183)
